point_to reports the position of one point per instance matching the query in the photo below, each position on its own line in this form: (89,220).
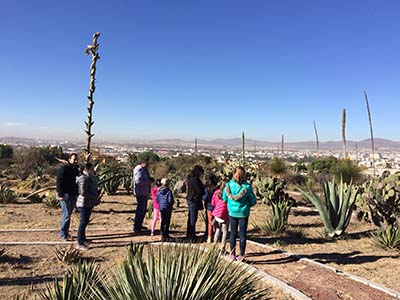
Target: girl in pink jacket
(156,207)
(221,217)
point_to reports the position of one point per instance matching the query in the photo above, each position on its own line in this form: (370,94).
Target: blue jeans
(192,219)
(141,209)
(242,224)
(67,206)
(84,221)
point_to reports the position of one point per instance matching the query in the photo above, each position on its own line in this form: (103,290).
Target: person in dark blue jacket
(165,200)
(67,192)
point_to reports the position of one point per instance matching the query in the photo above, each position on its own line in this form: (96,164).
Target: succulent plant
(6,194)
(387,237)
(68,255)
(382,197)
(336,210)
(272,190)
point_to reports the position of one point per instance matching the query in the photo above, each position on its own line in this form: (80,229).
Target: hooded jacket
(165,198)
(240,197)
(88,191)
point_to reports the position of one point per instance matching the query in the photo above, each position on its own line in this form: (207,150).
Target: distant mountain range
(232,143)
(237,142)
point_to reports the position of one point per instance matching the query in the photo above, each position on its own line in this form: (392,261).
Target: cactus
(382,197)
(273,192)
(339,204)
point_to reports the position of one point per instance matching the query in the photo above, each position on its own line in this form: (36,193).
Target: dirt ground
(25,269)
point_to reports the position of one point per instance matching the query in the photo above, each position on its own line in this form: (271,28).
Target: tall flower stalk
(93,50)
(371,131)
(344,133)
(316,137)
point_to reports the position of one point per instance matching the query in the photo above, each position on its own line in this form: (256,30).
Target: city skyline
(207,70)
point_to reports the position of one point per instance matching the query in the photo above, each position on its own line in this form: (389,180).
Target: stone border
(296,294)
(356,278)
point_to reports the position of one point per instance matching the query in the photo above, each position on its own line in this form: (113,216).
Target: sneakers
(208,240)
(240,258)
(232,257)
(81,247)
(67,238)
(152,233)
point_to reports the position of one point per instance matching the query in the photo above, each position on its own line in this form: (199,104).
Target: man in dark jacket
(67,191)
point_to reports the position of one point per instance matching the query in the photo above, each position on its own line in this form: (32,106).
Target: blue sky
(206,69)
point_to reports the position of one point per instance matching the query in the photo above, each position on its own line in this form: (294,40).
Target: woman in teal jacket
(240,197)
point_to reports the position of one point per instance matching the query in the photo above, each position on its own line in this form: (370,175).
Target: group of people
(227,203)
(77,188)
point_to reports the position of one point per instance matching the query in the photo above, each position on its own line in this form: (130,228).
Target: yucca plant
(77,284)
(387,237)
(68,255)
(336,210)
(52,202)
(6,194)
(179,273)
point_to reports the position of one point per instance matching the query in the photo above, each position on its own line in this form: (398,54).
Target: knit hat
(165,181)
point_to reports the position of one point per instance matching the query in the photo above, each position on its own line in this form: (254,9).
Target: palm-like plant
(179,273)
(77,284)
(387,237)
(338,206)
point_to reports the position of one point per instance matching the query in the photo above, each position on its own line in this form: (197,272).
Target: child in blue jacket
(165,200)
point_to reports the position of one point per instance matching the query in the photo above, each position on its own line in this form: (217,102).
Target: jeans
(165,222)
(192,219)
(141,209)
(67,206)
(242,223)
(84,221)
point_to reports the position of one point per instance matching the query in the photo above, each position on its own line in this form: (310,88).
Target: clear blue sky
(206,69)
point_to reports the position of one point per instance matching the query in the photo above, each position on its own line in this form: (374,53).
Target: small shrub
(387,238)
(68,255)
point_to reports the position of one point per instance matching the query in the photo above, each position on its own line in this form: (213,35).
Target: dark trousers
(141,209)
(84,221)
(242,224)
(192,219)
(165,221)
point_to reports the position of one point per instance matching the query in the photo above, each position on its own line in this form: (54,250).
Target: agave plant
(338,206)
(387,237)
(110,178)
(68,255)
(179,273)
(6,194)
(77,284)
(278,218)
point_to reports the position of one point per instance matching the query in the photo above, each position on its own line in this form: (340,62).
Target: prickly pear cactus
(382,196)
(272,190)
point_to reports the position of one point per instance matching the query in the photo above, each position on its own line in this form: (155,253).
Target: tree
(6,151)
